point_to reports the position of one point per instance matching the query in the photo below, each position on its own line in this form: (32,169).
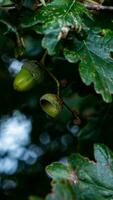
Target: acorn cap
(29,74)
(52,104)
(35,70)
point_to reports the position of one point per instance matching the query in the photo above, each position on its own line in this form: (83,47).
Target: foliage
(88,179)
(71,42)
(96,62)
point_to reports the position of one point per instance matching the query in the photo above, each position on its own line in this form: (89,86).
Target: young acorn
(29,75)
(52,104)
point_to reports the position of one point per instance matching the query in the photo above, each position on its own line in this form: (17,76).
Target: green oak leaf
(96,64)
(60,171)
(56,19)
(95,178)
(62,191)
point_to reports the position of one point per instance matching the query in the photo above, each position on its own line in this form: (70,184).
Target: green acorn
(52,104)
(29,75)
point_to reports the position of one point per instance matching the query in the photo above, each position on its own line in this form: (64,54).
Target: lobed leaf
(96,64)
(62,191)
(94,180)
(56,19)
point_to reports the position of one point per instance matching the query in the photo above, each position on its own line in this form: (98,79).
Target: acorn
(52,104)
(29,75)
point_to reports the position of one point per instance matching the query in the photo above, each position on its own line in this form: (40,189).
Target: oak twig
(74,114)
(98,7)
(7,8)
(42,62)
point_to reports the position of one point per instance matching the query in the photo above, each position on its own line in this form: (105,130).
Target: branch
(42,62)
(98,7)
(7,8)
(74,113)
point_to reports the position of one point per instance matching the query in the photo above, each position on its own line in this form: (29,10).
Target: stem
(42,62)
(98,7)
(20,41)
(6,8)
(56,80)
(73,113)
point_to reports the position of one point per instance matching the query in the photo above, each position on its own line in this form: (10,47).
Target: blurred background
(29,138)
